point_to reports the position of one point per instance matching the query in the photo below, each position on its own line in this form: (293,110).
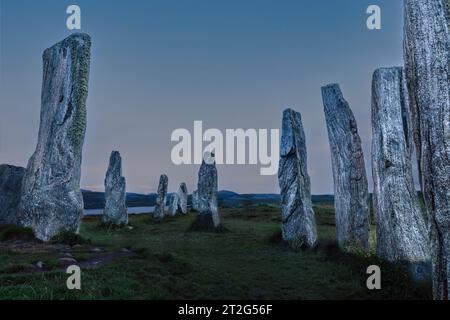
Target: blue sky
(158,65)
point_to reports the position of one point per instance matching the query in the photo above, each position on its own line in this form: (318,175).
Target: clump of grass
(69,238)
(12,232)
(164,257)
(277,238)
(109,226)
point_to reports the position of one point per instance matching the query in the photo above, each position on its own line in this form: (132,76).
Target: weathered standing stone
(173,206)
(10,189)
(299,223)
(195,200)
(183,198)
(208,213)
(427,63)
(401,231)
(351,199)
(115,211)
(161,200)
(51,199)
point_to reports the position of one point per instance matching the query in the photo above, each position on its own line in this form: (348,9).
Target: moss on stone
(80,62)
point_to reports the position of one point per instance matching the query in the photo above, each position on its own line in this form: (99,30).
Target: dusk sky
(159,65)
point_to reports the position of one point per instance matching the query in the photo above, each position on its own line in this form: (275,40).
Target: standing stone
(183,198)
(427,59)
(207,188)
(51,199)
(401,231)
(195,200)
(115,197)
(351,199)
(299,223)
(161,200)
(10,187)
(173,207)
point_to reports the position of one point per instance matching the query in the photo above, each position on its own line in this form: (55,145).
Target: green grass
(246,262)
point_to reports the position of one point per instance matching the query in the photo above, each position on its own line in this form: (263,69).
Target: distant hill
(96,200)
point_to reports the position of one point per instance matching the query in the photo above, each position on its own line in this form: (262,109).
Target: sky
(159,65)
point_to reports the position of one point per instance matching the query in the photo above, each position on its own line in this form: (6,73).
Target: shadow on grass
(395,278)
(13,233)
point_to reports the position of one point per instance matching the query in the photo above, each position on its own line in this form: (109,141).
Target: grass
(12,232)
(247,262)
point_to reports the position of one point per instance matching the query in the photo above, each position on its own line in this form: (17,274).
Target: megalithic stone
(195,200)
(173,205)
(10,187)
(351,195)
(51,200)
(183,198)
(427,57)
(299,223)
(115,211)
(161,200)
(207,188)
(402,235)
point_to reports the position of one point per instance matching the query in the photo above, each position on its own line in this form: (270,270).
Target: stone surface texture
(298,219)
(427,64)
(51,200)
(349,172)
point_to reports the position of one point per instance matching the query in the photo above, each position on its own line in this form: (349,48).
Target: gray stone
(349,172)
(115,211)
(207,188)
(402,235)
(195,200)
(51,200)
(299,223)
(427,64)
(173,205)
(10,189)
(161,200)
(183,198)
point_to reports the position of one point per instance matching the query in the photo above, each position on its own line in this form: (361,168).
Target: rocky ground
(163,260)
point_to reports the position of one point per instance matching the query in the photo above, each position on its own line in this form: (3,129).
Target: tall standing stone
(183,198)
(195,200)
(161,200)
(427,63)
(207,188)
(51,199)
(173,205)
(10,189)
(299,223)
(115,197)
(351,195)
(401,231)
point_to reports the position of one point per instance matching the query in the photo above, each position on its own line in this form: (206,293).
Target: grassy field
(163,260)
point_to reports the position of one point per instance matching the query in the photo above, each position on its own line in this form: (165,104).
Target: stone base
(205,223)
(420,272)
